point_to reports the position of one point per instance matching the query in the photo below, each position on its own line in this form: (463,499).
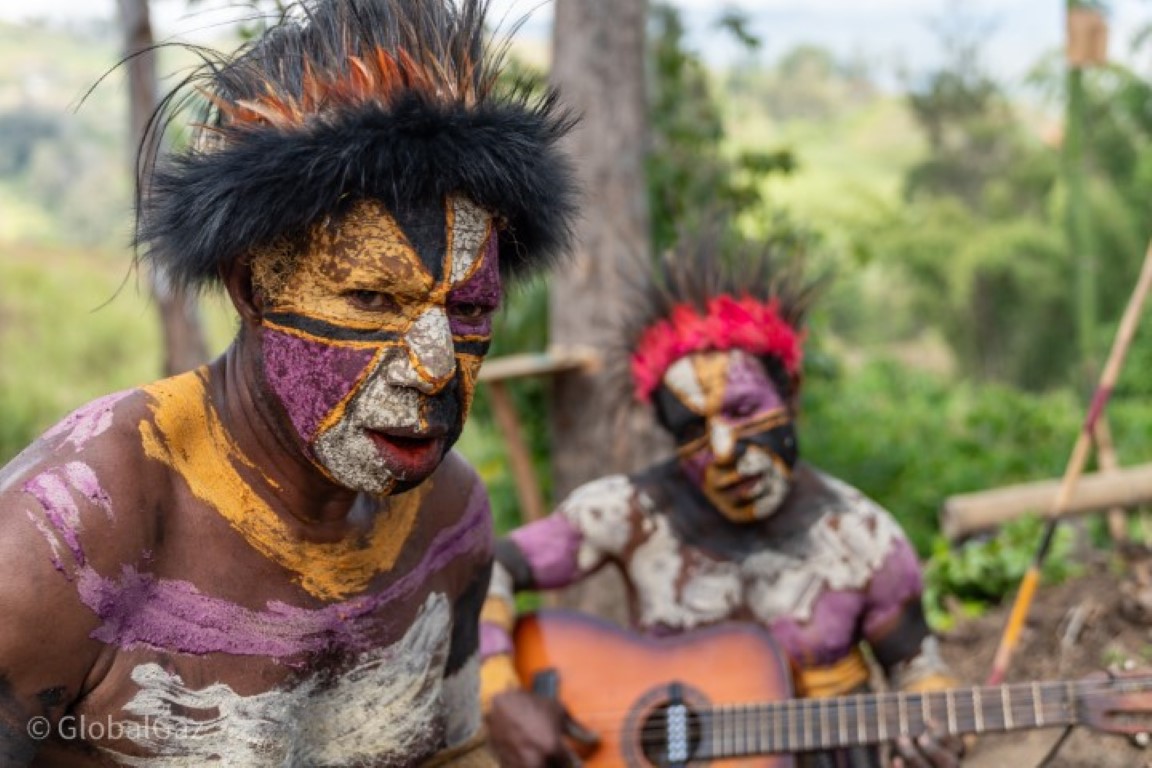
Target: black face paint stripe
(326,331)
(780,440)
(330,331)
(426,227)
(466,622)
(672,414)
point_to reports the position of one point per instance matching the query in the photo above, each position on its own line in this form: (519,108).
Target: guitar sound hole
(655,745)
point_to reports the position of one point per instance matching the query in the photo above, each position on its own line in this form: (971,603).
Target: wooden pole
(519,456)
(965,514)
(1108,461)
(1074,469)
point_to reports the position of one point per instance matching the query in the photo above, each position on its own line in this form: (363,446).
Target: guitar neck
(801,725)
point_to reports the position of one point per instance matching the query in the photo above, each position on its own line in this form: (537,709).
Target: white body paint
(347,452)
(840,551)
(390,706)
(602,510)
(681,379)
(469,233)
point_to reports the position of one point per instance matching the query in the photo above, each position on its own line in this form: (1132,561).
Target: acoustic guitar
(725,693)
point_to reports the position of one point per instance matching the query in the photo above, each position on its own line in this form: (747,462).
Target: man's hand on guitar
(531,731)
(931,749)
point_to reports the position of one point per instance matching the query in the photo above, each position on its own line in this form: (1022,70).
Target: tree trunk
(598,66)
(184,346)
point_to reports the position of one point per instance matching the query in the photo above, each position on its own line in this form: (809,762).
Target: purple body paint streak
(897,580)
(82,478)
(482,289)
(494,640)
(53,490)
(311,378)
(828,635)
(140,610)
(550,546)
(837,615)
(88,421)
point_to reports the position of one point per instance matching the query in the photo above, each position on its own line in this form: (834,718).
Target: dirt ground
(1101,619)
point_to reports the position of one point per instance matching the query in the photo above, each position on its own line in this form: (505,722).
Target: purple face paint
(311,378)
(87,422)
(140,610)
(549,546)
(749,391)
(481,290)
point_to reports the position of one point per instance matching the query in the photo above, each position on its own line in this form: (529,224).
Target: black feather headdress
(393,100)
(712,291)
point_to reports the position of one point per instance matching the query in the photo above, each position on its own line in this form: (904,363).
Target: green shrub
(965,580)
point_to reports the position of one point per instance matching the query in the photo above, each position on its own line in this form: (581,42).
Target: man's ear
(248,301)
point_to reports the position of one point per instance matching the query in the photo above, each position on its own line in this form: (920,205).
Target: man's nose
(431,362)
(723,441)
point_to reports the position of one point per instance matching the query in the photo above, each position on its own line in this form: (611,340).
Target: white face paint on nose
(723,440)
(431,354)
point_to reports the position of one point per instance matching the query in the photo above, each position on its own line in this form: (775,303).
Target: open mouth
(408,457)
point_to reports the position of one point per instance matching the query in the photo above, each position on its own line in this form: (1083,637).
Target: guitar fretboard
(801,725)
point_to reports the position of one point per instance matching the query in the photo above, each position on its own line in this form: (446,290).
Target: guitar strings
(609,720)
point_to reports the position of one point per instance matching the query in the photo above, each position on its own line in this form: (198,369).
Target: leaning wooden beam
(965,514)
(555,360)
(519,456)
(496,372)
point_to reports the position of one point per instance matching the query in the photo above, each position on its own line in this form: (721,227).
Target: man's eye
(373,301)
(469,311)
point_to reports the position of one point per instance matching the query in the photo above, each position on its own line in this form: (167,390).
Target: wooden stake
(1074,469)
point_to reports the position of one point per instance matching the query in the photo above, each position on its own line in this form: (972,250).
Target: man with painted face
(276,560)
(734,527)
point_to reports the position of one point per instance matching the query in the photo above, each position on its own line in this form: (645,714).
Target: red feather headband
(729,323)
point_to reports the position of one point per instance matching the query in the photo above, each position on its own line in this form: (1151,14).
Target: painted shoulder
(607,511)
(84,484)
(866,530)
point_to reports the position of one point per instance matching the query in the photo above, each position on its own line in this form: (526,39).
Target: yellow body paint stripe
(497,611)
(186,434)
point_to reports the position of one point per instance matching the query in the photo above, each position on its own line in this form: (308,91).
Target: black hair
(393,100)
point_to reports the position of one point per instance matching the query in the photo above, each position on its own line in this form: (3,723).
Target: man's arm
(592,526)
(46,653)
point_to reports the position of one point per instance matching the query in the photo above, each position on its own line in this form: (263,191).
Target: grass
(74,324)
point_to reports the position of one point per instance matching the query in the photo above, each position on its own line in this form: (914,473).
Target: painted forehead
(706,382)
(409,253)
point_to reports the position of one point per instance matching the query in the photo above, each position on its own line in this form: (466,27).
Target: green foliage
(968,579)
(688,172)
(909,439)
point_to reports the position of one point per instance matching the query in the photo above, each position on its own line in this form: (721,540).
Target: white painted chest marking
(384,711)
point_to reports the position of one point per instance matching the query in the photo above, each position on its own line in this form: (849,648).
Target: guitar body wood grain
(614,681)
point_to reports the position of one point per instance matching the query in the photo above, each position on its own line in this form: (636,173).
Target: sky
(890,33)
